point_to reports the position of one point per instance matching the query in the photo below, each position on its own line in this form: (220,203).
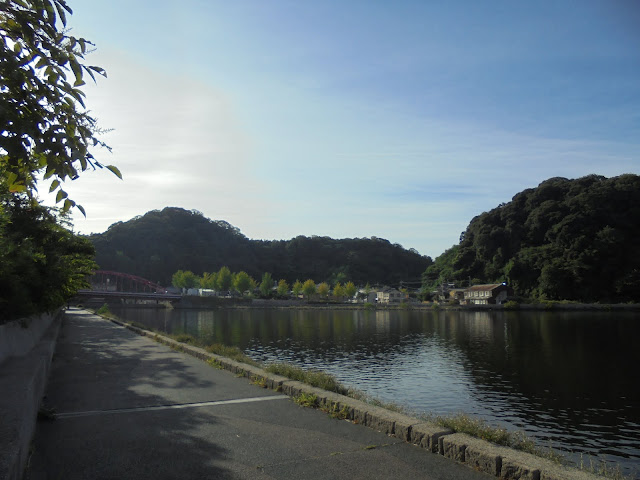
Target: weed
(233,353)
(259,381)
(185,338)
(480,429)
(369,306)
(435,306)
(103,310)
(215,363)
(335,412)
(602,468)
(306,400)
(315,378)
(376,402)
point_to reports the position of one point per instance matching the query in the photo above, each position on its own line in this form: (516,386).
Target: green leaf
(77,71)
(55,184)
(115,171)
(81,208)
(61,14)
(61,194)
(67,205)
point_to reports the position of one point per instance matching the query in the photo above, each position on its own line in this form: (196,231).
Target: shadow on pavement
(98,368)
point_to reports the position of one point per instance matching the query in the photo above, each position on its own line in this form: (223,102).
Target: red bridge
(108,281)
(123,287)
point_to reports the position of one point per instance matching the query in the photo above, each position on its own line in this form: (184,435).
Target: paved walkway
(128,407)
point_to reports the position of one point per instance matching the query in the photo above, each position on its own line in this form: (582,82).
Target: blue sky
(401,120)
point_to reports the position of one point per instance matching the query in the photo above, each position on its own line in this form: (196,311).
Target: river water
(567,379)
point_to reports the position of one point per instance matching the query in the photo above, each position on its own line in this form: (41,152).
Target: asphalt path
(127,407)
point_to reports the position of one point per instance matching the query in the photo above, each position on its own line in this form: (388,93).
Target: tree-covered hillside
(564,240)
(159,243)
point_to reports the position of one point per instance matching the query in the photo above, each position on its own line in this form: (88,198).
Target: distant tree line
(243,284)
(564,240)
(159,243)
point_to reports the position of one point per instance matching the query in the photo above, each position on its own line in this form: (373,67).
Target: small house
(491,294)
(390,295)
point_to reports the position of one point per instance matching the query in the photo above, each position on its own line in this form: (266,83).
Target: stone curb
(22,382)
(481,455)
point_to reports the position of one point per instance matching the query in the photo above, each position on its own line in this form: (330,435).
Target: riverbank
(478,454)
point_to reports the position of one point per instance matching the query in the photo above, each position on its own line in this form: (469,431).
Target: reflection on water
(565,378)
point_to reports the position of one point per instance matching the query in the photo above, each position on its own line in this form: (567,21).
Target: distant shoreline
(208,302)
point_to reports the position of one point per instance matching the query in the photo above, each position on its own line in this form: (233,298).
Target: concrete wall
(26,354)
(20,336)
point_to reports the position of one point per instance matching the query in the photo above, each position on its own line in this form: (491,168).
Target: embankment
(478,454)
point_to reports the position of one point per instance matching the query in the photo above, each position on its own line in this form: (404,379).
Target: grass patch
(376,402)
(603,468)
(480,429)
(315,378)
(234,353)
(103,310)
(186,338)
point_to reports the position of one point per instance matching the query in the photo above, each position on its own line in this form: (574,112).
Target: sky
(401,120)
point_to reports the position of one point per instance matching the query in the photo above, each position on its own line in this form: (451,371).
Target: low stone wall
(23,378)
(478,454)
(19,336)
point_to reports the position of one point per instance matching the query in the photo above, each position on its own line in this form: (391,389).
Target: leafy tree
(323,289)
(209,280)
(185,279)
(309,288)
(225,279)
(350,289)
(565,239)
(338,291)
(297,288)
(241,282)
(45,127)
(42,263)
(283,288)
(266,285)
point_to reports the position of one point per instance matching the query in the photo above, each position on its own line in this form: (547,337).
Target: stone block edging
(496,460)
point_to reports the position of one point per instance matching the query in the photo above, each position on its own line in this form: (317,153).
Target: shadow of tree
(101,368)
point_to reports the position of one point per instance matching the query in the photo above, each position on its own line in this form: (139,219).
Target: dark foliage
(42,264)
(159,243)
(564,240)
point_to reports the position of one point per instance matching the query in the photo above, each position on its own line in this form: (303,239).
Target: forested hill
(564,240)
(159,243)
